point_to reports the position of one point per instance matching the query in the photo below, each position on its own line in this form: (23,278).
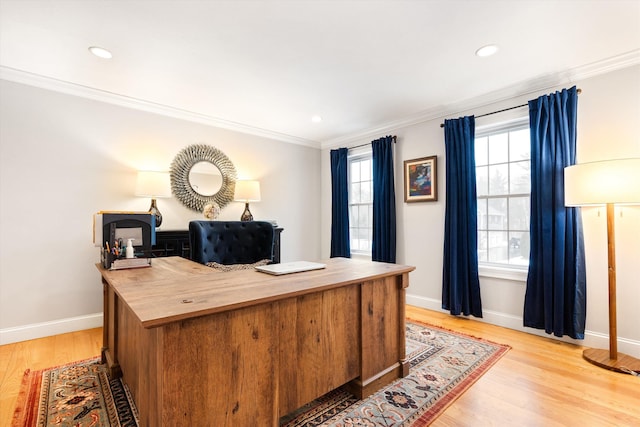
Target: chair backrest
(231,242)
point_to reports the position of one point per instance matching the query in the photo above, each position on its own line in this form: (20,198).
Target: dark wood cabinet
(172,243)
(276,244)
(176,243)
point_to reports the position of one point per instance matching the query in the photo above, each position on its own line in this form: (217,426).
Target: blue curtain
(555,299)
(339,204)
(460,282)
(383,246)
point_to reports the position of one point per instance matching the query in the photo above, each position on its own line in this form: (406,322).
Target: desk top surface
(176,289)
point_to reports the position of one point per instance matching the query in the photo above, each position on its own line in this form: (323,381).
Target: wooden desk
(201,347)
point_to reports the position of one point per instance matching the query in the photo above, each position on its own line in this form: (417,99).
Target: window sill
(515,274)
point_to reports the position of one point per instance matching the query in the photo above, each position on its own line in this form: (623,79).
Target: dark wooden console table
(176,243)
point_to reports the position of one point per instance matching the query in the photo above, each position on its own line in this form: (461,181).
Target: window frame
(493,269)
(357,155)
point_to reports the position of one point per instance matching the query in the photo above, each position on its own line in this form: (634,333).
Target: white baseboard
(591,338)
(46,329)
(61,326)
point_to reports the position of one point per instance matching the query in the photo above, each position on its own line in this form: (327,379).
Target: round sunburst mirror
(202,174)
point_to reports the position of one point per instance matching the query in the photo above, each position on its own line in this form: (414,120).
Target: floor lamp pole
(612,359)
(611,255)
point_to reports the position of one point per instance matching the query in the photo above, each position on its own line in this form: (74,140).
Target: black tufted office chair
(231,242)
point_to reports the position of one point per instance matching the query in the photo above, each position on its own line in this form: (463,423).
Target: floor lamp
(607,183)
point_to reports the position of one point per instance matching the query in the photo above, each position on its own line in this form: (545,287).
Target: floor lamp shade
(607,182)
(154,185)
(599,183)
(247,191)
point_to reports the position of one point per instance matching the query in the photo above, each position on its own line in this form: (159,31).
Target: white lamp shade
(599,183)
(153,184)
(247,191)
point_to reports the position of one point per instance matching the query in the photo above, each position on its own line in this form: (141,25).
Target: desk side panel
(219,370)
(383,333)
(319,345)
(140,357)
(110,331)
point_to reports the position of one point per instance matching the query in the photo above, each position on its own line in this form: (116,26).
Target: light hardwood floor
(539,382)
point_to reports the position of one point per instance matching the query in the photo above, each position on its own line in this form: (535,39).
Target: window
(361,202)
(503,184)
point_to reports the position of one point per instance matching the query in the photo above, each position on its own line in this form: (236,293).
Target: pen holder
(107,259)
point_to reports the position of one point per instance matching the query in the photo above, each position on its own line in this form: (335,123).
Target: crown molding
(43,82)
(532,86)
(528,87)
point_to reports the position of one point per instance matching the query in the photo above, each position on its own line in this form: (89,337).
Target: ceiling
(266,67)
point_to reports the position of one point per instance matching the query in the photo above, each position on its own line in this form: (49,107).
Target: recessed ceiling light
(316,119)
(487,50)
(100,52)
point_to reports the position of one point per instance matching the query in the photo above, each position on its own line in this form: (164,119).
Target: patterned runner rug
(443,364)
(79,394)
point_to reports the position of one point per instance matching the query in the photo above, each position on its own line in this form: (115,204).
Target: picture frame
(421,179)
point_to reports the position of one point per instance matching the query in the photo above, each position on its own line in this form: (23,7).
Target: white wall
(63,158)
(608,117)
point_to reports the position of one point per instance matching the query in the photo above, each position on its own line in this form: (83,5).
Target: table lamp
(155,185)
(247,191)
(607,183)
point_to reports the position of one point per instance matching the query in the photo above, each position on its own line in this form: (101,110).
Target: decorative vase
(154,211)
(246,215)
(211,210)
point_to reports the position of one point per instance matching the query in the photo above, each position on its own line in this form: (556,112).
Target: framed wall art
(421,180)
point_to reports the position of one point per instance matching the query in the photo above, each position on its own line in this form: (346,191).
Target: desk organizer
(112,262)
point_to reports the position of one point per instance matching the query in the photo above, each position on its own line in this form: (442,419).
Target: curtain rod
(579,91)
(362,145)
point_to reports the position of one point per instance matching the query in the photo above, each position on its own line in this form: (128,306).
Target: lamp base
(623,363)
(246,215)
(153,209)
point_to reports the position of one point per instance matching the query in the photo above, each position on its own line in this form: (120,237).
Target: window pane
(482,214)
(497,211)
(363,239)
(519,145)
(365,170)
(366,192)
(358,244)
(360,203)
(519,248)
(498,179)
(482,181)
(520,177)
(355,171)
(503,184)
(362,234)
(353,216)
(482,151)
(519,212)
(355,193)
(363,216)
(498,148)
(482,246)
(497,251)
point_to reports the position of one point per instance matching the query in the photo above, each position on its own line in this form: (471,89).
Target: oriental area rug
(443,364)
